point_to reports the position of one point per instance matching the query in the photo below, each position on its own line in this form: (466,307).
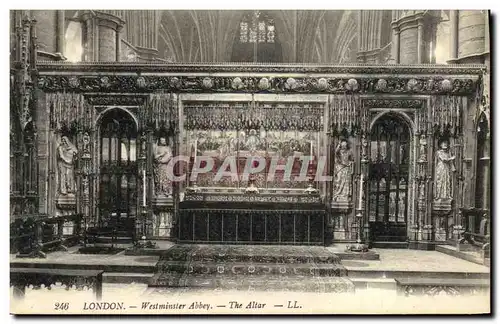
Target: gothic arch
(399,114)
(126,110)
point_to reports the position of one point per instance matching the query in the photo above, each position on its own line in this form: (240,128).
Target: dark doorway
(388,179)
(118,171)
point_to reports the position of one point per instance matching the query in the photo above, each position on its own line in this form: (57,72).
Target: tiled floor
(416,260)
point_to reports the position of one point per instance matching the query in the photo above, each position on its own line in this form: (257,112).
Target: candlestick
(144,188)
(195,151)
(360,206)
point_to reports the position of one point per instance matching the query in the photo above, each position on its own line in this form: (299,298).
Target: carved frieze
(110,100)
(423,69)
(393,103)
(253,84)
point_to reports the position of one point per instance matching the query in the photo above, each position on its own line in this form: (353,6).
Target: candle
(311,150)
(144,188)
(361,192)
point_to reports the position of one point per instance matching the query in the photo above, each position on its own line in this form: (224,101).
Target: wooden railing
(34,235)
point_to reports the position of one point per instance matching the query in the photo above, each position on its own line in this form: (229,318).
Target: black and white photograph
(249,162)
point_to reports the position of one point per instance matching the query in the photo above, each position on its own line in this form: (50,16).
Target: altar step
(262,268)
(295,283)
(390,245)
(254,269)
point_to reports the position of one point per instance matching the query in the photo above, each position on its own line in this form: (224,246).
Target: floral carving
(74,82)
(264,84)
(141,82)
(352,85)
(446,85)
(412,85)
(105,82)
(291,84)
(207,83)
(132,83)
(175,83)
(322,84)
(237,83)
(381,85)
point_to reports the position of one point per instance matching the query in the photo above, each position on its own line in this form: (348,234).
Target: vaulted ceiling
(318,36)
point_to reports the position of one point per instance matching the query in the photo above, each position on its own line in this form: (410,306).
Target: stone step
(239,268)
(126,277)
(390,245)
(109,239)
(252,283)
(250,254)
(390,238)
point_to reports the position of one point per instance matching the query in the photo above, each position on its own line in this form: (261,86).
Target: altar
(239,218)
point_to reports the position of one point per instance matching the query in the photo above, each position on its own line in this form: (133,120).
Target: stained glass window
(257,28)
(244,32)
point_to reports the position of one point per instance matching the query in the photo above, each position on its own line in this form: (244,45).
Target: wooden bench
(20,278)
(436,286)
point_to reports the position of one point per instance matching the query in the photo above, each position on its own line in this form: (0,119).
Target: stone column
(471,35)
(109,26)
(411,38)
(408,46)
(454,34)
(395,40)
(102,31)
(60,31)
(420,41)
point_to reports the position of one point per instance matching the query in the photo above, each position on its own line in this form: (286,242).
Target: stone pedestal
(68,228)
(340,213)
(66,204)
(163,209)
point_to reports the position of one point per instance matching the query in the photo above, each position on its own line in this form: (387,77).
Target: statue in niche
(66,154)
(444,169)
(401,206)
(163,154)
(343,171)
(253,141)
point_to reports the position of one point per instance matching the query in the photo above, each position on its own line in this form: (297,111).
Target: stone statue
(444,168)
(163,154)
(66,153)
(343,170)
(252,141)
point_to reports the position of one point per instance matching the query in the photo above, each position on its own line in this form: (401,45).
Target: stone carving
(424,69)
(444,169)
(163,154)
(129,83)
(343,172)
(106,100)
(66,153)
(423,149)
